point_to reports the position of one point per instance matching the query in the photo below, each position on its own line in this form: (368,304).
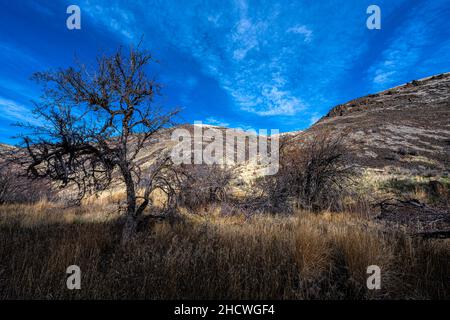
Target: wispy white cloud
(246,37)
(216,122)
(271,102)
(113,16)
(226,124)
(314,118)
(264,56)
(400,57)
(302,30)
(16,55)
(407,49)
(272,63)
(16,112)
(230,57)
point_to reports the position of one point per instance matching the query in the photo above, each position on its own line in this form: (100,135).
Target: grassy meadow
(210,255)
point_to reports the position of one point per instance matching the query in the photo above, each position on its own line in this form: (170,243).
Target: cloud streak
(243,49)
(16,112)
(304,31)
(409,47)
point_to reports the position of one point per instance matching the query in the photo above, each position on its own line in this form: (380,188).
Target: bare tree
(94,123)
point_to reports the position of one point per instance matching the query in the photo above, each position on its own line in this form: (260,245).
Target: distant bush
(314,174)
(203,185)
(18,189)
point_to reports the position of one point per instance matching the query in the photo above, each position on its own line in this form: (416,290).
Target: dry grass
(209,256)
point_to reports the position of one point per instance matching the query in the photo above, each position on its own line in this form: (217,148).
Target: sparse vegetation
(430,190)
(145,228)
(19,189)
(315,174)
(305,256)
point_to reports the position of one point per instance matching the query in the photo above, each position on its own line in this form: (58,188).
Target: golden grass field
(210,256)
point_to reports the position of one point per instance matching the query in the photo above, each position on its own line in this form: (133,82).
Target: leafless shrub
(314,174)
(7,188)
(268,194)
(19,189)
(204,184)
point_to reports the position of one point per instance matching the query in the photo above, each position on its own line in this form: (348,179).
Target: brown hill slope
(406,128)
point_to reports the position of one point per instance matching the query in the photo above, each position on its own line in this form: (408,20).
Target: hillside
(404,129)
(400,139)
(400,132)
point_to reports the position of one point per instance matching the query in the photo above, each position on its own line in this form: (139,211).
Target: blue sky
(248,64)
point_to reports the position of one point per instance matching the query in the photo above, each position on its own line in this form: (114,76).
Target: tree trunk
(129,228)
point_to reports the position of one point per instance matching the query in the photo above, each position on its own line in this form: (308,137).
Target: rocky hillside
(406,128)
